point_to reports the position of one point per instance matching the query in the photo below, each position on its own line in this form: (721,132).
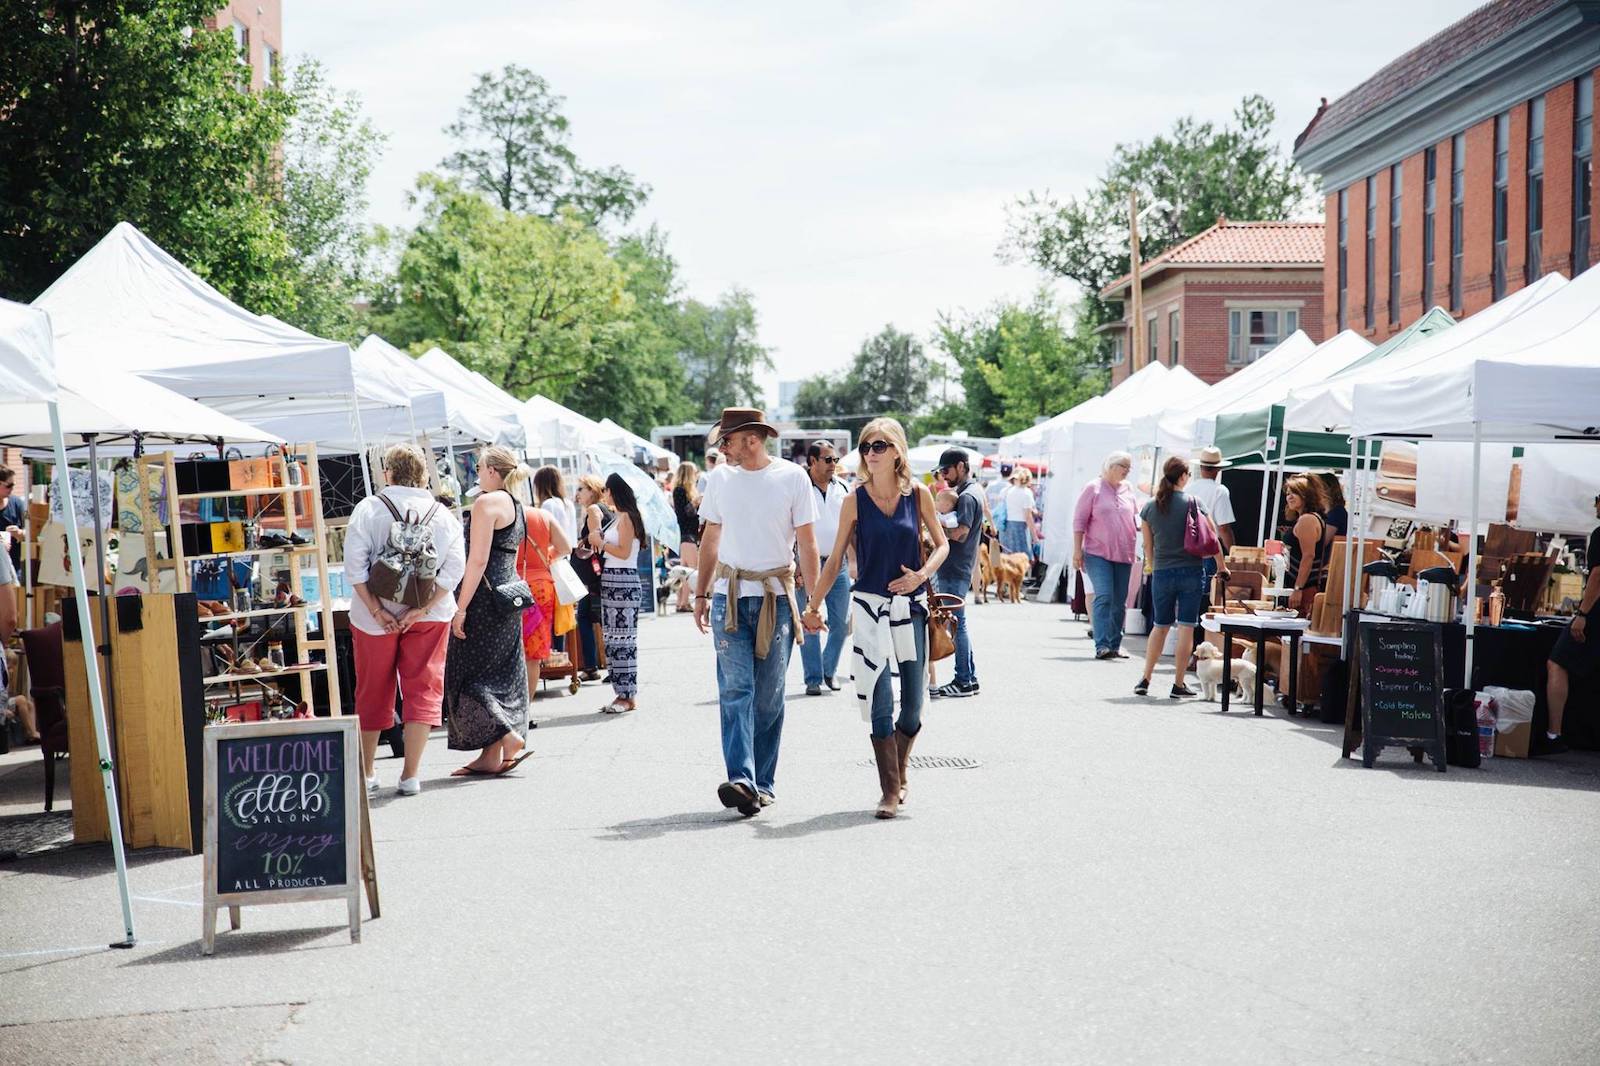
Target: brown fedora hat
(737,418)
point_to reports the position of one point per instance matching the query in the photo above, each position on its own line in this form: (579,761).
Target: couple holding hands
(757,510)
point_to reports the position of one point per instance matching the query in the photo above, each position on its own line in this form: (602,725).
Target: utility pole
(1136,330)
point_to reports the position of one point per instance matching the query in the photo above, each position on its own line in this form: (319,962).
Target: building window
(1172,337)
(1502,201)
(1394,245)
(1372,251)
(241,41)
(1430,175)
(1344,260)
(269,64)
(1252,334)
(1152,349)
(1531,270)
(1458,188)
(1582,173)
(1116,350)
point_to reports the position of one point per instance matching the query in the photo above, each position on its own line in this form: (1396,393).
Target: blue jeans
(966,669)
(822,661)
(750,691)
(913,689)
(1109,609)
(1175,595)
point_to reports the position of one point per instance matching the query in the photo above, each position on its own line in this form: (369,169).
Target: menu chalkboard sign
(285,818)
(1401,685)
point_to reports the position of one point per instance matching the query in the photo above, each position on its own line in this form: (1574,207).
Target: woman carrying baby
(886,515)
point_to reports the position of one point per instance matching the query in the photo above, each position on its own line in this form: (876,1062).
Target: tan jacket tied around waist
(767,623)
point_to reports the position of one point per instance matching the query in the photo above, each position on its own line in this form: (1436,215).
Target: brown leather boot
(902,745)
(888,758)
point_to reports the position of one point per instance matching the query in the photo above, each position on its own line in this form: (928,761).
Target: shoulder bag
(569,586)
(514,596)
(1199,536)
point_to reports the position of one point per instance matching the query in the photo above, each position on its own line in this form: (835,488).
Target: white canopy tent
(554,430)
(460,416)
(627,441)
(1534,380)
(128,304)
(492,399)
(27,372)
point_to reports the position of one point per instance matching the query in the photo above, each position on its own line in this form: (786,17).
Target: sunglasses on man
(831,460)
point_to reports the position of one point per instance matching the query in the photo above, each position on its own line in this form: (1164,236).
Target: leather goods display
(942,608)
(250,473)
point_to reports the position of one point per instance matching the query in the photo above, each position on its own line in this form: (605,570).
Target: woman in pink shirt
(1104,528)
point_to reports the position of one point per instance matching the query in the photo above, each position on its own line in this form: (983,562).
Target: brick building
(1462,170)
(258,31)
(1216,302)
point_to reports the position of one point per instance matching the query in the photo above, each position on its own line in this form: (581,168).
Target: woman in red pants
(400,647)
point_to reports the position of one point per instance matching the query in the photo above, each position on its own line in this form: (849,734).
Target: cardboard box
(1511,741)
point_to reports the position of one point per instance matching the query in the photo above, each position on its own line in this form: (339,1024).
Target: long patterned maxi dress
(485,675)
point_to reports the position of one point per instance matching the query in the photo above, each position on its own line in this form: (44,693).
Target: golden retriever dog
(982,577)
(1009,570)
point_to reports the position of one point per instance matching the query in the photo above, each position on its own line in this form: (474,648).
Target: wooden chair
(47,684)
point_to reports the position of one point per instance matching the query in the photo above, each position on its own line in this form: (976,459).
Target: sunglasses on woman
(876,447)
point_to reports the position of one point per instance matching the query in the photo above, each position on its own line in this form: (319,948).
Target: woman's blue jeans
(1110,581)
(913,690)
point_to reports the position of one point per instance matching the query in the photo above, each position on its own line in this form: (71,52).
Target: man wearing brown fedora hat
(756,511)
(1218,503)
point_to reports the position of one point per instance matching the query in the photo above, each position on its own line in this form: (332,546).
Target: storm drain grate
(935,762)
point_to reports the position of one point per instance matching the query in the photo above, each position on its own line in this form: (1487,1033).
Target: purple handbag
(1199,538)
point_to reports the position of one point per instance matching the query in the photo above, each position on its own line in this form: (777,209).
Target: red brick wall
(264,18)
(1477,286)
(1414,191)
(1204,318)
(1558,198)
(1517,201)
(1380,255)
(1355,204)
(1443,166)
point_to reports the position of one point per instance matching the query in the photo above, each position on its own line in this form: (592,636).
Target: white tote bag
(569,586)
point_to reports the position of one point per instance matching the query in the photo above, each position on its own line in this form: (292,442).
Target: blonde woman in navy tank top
(889,602)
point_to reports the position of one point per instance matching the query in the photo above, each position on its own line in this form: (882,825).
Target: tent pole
(1354,571)
(361,443)
(1266,476)
(91,665)
(1471,606)
(1350,534)
(1277,485)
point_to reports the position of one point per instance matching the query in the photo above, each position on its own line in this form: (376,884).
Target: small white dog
(677,576)
(1209,669)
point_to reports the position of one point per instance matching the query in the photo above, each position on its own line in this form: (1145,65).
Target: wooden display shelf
(277,490)
(267,675)
(287,549)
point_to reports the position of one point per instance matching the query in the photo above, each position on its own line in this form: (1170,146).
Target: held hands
(909,581)
(811,621)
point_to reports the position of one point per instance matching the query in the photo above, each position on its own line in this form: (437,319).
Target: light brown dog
(1009,570)
(982,578)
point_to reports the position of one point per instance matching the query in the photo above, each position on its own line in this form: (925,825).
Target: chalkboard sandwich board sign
(285,819)
(1401,689)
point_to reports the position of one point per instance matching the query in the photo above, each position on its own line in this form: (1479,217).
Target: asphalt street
(1116,880)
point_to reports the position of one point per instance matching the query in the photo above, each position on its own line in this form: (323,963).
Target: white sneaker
(372,784)
(409,786)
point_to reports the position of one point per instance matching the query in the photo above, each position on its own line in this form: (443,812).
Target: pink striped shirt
(1108,519)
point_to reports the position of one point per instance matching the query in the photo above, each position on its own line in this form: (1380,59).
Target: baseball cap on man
(951,456)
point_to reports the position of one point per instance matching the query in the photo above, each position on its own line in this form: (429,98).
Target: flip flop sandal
(511,764)
(467,771)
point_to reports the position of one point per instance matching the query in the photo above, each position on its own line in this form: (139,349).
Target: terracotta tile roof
(1438,53)
(1242,244)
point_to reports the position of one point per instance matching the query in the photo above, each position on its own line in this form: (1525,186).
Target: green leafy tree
(120,110)
(328,155)
(1204,171)
(534,304)
(642,384)
(1020,363)
(889,375)
(722,354)
(515,147)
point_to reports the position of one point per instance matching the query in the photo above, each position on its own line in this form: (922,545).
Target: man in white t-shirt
(756,510)
(1218,503)
(821,657)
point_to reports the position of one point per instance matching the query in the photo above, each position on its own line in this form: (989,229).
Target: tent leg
(97,709)
(361,443)
(100,559)
(1349,534)
(1277,485)
(1353,571)
(1471,603)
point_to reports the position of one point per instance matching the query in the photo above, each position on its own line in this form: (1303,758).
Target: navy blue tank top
(885,543)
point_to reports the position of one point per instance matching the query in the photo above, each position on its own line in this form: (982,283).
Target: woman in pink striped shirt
(1104,528)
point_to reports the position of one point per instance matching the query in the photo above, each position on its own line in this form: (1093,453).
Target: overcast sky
(849,163)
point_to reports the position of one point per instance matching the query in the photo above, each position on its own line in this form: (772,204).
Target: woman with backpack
(393,544)
(546,540)
(485,674)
